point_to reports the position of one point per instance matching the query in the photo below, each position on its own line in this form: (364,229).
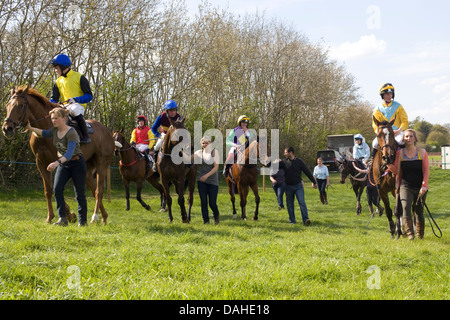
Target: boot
(83,128)
(226,169)
(325,200)
(148,158)
(420,228)
(63,222)
(321,198)
(409,227)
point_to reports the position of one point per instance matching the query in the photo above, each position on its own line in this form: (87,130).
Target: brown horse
(133,167)
(244,176)
(384,178)
(27,104)
(179,174)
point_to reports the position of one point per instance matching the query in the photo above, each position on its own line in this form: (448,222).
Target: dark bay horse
(358,179)
(244,175)
(27,104)
(133,167)
(384,178)
(179,174)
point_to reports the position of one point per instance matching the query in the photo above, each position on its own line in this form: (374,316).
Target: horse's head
(344,169)
(386,140)
(119,139)
(16,111)
(173,136)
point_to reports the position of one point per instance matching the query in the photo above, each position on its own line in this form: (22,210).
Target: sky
(406,43)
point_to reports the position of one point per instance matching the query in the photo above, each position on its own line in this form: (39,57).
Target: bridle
(23,117)
(391,148)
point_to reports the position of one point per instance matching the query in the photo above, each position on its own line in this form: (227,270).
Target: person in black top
(293,168)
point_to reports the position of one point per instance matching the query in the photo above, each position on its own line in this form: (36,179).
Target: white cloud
(367,45)
(441,88)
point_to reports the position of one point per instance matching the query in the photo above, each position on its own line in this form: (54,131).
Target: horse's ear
(171,121)
(392,122)
(26,89)
(375,121)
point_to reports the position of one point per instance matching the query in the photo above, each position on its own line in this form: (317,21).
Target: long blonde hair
(60,112)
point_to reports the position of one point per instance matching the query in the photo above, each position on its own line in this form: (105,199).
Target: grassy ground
(139,255)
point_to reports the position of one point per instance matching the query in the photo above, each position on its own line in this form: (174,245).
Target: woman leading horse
(28,105)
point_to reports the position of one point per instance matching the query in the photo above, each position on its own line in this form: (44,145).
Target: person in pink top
(412,169)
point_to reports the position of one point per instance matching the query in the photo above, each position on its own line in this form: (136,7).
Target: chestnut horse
(27,104)
(133,167)
(384,178)
(358,180)
(244,176)
(179,174)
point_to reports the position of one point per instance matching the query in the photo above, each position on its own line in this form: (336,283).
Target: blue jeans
(76,170)
(279,191)
(293,191)
(205,191)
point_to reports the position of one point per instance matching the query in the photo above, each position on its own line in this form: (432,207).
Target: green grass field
(139,255)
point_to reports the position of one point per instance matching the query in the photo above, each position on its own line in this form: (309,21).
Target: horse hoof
(148,208)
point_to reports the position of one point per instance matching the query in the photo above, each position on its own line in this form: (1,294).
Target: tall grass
(139,255)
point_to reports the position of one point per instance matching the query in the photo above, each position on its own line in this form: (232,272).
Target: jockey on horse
(163,122)
(361,151)
(143,139)
(237,139)
(387,111)
(72,87)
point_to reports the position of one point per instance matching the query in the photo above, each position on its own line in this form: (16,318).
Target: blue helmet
(170,104)
(61,60)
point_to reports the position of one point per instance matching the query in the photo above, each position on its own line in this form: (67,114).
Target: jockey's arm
(151,139)
(87,93)
(155,126)
(133,137)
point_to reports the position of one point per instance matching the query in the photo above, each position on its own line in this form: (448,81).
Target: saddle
(74,124)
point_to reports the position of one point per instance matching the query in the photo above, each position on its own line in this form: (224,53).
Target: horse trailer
(342,143)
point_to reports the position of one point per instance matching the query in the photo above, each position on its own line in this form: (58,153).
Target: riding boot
(420,227)
(148,158)
(325,200)
(155,168)
(321,198)
(409,227)
(62,222)
(226,169)
(83,129)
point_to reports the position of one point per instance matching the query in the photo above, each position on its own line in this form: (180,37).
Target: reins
(429,216)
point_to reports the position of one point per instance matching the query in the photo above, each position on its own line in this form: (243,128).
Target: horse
(358,179)
(28,105)
(244,176)
(133,167)
(180,175)
(383,177)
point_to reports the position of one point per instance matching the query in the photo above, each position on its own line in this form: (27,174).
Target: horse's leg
(179,188)
(243,192)
(358,204)
(165,185)
(126,184)
(139,184)
(48,191)
(191,181)
(101,176)
(359,208)
(232,197)
(257,200)
(387,207)
(155,183)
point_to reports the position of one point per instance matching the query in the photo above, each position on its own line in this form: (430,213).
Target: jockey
(72,87)
(237,139)
(163,122)
(388,110)
(143,138)
(361,150)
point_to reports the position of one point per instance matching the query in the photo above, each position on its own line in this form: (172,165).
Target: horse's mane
(34,93)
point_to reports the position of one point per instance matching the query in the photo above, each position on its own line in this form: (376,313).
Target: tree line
(216,65)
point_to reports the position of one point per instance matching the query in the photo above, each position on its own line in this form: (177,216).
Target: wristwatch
(59,160)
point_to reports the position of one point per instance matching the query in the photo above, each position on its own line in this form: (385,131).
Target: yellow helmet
(243,118)
(385,88)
